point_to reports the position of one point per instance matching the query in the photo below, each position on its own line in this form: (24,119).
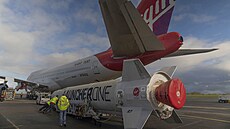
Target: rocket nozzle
(171,93)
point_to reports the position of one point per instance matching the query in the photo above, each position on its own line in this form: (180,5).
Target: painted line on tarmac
(200,107)
(16,127)
(223,114)
(188,124)
(205,118)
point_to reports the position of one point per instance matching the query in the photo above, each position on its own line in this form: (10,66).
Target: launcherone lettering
(91,94)
(100,94)
(94,94)
(107,93)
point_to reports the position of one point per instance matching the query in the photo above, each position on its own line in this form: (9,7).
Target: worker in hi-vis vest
(63,104)
(45,107)
(53,102)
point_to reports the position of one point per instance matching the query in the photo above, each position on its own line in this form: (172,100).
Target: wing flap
(182,52)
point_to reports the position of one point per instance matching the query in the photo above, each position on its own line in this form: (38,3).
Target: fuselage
(100,67)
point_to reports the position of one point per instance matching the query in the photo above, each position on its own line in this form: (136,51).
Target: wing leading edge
(25,84)
(128,33)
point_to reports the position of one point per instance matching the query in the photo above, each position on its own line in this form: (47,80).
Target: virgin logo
(152,14)
(136,91)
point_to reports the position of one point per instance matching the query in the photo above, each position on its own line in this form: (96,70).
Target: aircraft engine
(165,94)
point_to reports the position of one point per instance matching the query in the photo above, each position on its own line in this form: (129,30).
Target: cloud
(217,59)
(16,47)
(201,18)
(75,47)
(208,72)
(87,15)
(136,2)
(196,18)
(179,17)
(35,34)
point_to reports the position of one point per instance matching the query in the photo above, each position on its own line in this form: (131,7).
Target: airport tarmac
(198,113)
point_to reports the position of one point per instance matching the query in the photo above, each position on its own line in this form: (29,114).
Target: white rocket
(135,98)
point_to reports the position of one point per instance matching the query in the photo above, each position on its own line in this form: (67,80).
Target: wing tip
(214,49)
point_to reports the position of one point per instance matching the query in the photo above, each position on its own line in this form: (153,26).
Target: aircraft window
(69,71)
(74,76)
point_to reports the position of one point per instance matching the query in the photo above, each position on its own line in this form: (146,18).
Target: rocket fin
(133,69)
(135,117)
(169,70)
(174,118)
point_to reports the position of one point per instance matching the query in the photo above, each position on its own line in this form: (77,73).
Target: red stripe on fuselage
(170,41)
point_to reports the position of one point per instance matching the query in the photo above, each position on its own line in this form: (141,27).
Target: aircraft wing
(182,52)
(128,33)
(24,84)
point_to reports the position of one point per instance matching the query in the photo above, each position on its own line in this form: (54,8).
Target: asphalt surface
(198,113)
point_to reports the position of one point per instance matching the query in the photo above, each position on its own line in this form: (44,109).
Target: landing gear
(97,123)
(1,99)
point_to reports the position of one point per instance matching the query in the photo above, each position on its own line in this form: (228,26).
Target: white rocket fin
(133,69)
(135,117)
(174,118)
(169,70)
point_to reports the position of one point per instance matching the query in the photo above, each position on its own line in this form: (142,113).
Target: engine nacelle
(165,94)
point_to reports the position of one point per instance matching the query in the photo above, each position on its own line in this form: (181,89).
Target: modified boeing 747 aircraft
(130,38)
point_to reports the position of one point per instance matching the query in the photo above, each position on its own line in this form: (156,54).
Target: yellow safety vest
(54,100)
(63,103)
(48,102)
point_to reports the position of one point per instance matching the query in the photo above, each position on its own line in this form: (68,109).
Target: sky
(36,34)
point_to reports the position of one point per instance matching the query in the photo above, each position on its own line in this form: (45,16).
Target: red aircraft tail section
(157,14)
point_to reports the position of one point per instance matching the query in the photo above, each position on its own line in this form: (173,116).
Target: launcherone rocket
(137,96)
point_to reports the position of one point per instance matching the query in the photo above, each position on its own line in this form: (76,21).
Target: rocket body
(135,97)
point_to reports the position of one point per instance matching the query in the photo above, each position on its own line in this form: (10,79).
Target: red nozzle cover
(171,93)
